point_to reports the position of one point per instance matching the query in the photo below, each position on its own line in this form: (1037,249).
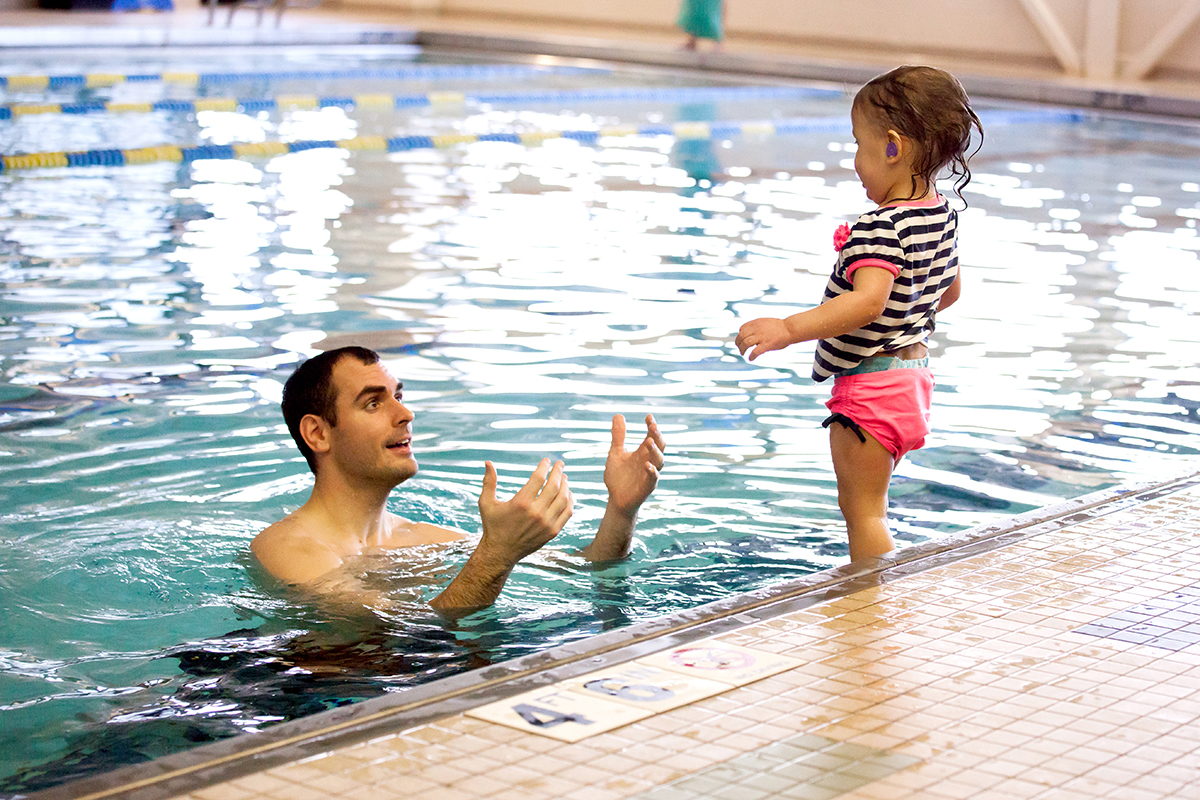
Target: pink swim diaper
(892,405)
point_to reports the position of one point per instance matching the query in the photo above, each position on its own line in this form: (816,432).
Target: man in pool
(346,413)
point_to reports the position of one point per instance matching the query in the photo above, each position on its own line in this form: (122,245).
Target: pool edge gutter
(317,734)
(1076,92)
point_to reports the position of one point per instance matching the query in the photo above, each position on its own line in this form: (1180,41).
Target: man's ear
(315,431)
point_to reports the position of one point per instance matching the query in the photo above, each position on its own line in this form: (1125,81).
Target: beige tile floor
(969,680)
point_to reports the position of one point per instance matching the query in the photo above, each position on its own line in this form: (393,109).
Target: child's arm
(952,292)
(842,314)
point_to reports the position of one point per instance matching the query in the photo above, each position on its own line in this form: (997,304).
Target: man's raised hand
(533,516)
(512,529)
(631,476)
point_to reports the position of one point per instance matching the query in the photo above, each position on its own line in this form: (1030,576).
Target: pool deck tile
(995,676)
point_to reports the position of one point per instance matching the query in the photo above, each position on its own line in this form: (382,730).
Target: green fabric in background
(701,18)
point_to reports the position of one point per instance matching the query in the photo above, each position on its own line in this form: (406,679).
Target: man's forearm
(613,537)
(477,584)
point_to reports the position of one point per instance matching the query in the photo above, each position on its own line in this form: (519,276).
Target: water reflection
(524,294)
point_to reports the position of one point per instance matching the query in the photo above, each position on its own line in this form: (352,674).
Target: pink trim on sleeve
(872,262)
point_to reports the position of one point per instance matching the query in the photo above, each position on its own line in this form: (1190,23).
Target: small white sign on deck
(613,697)
(560,714)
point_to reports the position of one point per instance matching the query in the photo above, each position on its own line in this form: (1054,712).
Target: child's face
(877,171)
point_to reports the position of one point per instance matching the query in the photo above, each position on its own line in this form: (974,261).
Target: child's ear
(895,146)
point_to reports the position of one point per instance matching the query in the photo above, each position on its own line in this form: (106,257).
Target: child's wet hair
(930,107)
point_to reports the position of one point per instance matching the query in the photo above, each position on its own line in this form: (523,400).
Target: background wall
(1098,41)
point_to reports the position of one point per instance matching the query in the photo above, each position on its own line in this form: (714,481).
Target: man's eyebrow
(370,390)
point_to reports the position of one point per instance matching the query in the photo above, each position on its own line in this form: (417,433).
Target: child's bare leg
(864,470)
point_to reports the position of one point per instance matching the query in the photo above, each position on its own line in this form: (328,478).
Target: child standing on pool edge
(896,268)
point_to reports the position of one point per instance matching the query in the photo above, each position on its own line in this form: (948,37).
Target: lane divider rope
(380,101)
(421,72)
(679,130)
(145,155)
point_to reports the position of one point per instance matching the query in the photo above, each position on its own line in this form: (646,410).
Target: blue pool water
(523,294)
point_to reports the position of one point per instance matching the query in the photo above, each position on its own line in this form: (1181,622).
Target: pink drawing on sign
(711,658)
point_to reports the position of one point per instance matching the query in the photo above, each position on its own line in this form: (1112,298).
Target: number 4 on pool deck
(540,717)
(562,715)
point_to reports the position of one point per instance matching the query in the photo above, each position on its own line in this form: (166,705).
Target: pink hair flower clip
(840,237)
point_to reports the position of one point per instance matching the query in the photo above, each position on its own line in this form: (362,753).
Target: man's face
(372,441)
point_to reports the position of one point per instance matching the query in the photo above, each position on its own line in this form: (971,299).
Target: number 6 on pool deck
(637,692)
(644,686)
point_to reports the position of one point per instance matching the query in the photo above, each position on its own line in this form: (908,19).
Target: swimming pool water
(523,294)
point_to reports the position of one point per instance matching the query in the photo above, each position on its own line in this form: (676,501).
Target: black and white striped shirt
(916,243)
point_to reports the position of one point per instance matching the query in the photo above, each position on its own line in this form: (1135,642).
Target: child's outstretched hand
(762,336)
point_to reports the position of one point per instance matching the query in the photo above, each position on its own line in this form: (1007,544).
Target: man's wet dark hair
(310,391)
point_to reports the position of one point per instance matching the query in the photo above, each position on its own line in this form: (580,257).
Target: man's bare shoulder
(289,552)
(406,533)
